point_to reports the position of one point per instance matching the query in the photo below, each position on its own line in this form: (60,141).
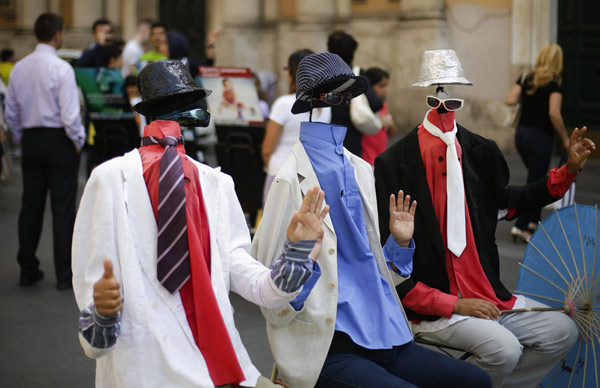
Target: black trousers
(535,147)
(49,162)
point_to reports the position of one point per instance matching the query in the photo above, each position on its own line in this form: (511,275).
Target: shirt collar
(329,133)
(162,128)
(437,127)
(45,47)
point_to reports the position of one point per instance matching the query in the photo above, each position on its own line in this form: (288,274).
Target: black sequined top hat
(167,86)
(324,73)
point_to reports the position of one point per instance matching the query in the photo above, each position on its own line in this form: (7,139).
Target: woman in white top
(283,128)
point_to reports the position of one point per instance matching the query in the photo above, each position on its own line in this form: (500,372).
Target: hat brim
(356,89)
(166,104)
(443,81)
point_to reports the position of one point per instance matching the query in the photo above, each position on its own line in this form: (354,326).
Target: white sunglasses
(450,104)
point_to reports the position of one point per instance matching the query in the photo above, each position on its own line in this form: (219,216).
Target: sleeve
(387,182)
(517,200)
(423,299)
(95,237)
(270,237)
(298,302)
(560,181)
(130,56)
(248,277)
(85,60)
(294,266)
(68,100)
(99,331)
(554,87)
(12,113)
(401,257)
(280,111)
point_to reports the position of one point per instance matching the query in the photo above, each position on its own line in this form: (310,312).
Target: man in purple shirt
(42,112)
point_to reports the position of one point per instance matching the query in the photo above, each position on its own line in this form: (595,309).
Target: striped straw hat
(323,73)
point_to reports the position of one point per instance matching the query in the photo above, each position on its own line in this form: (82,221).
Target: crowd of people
(348,270)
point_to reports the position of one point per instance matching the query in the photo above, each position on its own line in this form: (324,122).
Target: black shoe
(30,278)
(64,285)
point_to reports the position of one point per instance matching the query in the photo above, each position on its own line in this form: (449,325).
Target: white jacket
(300,340)
(156,347)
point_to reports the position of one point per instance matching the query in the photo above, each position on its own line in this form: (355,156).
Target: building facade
(495,40)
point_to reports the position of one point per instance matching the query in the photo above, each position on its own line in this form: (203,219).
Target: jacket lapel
(139,206)
(471,160)
(211,201)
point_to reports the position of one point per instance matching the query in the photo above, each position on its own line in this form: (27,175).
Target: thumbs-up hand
(107,298)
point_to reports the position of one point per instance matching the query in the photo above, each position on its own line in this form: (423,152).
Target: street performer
(460,180)
(159,242)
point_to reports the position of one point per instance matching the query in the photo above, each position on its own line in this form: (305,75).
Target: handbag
(514,115)
(361,115)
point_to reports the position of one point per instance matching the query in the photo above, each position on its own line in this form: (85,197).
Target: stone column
(533,26)
(129,19)
(421,25)
(85,12)
(242,41)
(28,11)
(113,12)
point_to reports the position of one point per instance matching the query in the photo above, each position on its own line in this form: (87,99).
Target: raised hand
(107,298)
(579,150)
(476,308)
(402,218)
(307,223)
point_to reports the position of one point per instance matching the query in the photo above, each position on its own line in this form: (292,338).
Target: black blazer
(486,177)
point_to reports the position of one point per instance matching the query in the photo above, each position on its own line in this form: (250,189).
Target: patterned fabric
(294,266)
(316,70)
(100,331)
(173,262)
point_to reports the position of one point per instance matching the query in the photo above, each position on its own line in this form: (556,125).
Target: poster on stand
(234,98)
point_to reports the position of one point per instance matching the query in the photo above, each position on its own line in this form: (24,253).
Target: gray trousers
(517,350)
(262,382)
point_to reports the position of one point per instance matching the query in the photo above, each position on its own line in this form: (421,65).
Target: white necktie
(455,190)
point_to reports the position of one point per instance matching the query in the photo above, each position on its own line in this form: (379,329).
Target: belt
(38,129)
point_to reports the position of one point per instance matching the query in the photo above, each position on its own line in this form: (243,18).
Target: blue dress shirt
(367,309)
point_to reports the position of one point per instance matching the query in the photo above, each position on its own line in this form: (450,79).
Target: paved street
(38,325)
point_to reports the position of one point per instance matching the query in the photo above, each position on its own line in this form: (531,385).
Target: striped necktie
(173,260)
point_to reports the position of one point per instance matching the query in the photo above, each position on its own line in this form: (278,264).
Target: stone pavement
(39,346)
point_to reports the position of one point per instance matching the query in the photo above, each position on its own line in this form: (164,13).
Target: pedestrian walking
(42,112)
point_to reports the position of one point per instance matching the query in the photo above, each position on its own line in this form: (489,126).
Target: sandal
(523,235)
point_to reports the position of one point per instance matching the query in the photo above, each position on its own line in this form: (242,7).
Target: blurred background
(496,40)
